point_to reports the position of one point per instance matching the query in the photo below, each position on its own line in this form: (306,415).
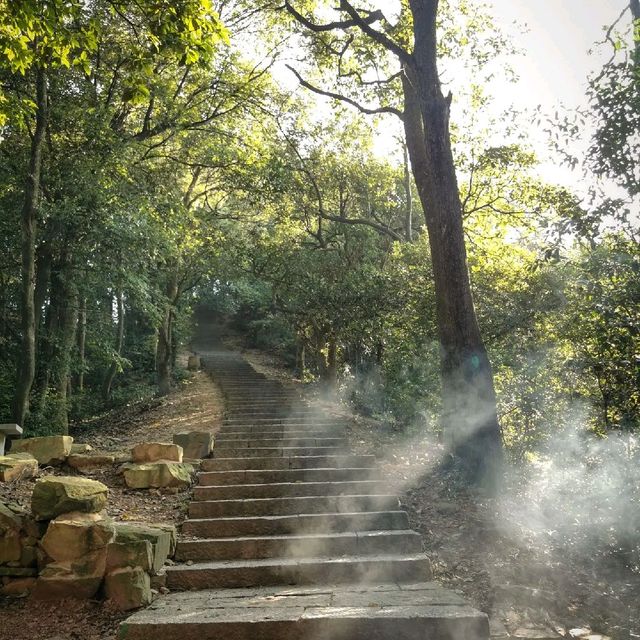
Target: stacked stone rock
(156,464)
(19,537)
(67,546)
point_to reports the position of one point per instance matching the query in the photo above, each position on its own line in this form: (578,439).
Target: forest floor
(533,584)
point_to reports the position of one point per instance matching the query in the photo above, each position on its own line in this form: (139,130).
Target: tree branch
(364,24)
(367,223)
(332,26)
(338,96)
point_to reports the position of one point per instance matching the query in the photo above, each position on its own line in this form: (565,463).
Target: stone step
(292,462)
(281,421)
(284,408)
(294,431)
(291,505)
(251,400)
(296,524)
(340,612)
(319,545)
(251,392)
(232,574)
(262,476)
(282,489)
(270,452)
(233,442)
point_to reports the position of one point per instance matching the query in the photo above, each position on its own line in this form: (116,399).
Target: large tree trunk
(163,348)
(27,362)
(469,403)
(113,367)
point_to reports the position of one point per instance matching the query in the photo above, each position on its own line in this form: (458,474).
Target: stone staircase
(290,536)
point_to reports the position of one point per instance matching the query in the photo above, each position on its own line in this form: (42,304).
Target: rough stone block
(128,588)
(53,496)
(11,519)
(162,539)
(80,579)
(157,474)
(18,588)
(193,364)
(47,450)
(16,466)
(134,553)
(156,451)
(195,444)
(10,547)
(73,536)
(29,556)
(89,462)
(18,572)
(79,447)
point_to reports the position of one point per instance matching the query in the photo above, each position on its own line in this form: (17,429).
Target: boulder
(89,461)
(193,363)
(134,553)
(128,588)
(173,536)
(195,444)
(73,536)
(18,588)
(155,451)
(79,447)
(157,474)
(18,572)
(535,633)
(11,519)
(162,539)
(53,496)
(47,450)
(10,541)
(10,547)
(16,466)
(29,555)
(79,579)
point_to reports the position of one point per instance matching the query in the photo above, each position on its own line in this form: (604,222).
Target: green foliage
(176,173)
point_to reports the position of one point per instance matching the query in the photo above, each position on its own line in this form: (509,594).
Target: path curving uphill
(292,537)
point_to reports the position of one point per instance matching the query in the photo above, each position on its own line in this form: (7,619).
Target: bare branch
(380,228)
(332,26)
(364,24)
(338,96)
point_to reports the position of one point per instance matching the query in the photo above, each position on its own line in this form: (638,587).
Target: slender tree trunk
(44,260)
(300,359)
(81,342)
(27,362)
(113,367)
(331,378)
(67,308)
(408,216)
(469,403)
(46,349)
(163,348)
